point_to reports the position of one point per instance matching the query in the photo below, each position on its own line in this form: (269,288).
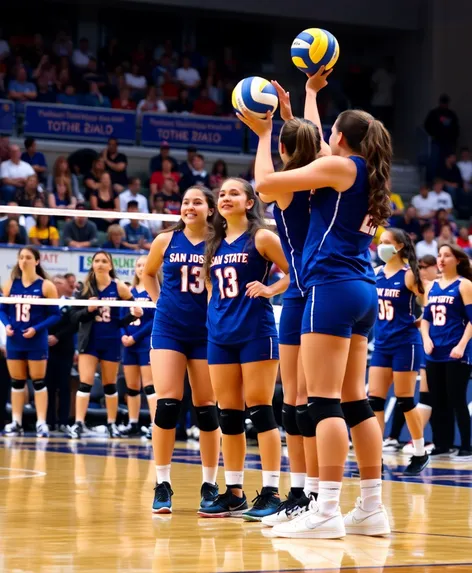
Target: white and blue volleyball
(255,96)
(314,48)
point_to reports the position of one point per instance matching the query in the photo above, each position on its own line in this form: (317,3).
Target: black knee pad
(207,418)
(232,422)
(263,418)
(84,388)
(406,403)
(305,422)
(377,404)
(167,413)
(149,390)
(289,420)
(357,412)
(131,391)
(425,399)
(110,390)
(39,385)
(323,408)
(18,385)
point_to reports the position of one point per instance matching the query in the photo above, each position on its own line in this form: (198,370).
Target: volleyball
(255,96)
(314,48)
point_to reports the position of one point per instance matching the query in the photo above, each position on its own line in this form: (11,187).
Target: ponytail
(302,141)
(368,137)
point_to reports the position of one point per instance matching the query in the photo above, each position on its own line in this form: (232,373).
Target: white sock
(17,419)
(297,480)
(163,474)
(40,422)
(270,479)
(133,420)
(312,485)
(418,447)
(111,421)
(234,478)
(328,497)
(209,474)
(371,494)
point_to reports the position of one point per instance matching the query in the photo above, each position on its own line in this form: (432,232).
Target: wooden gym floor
(83,507)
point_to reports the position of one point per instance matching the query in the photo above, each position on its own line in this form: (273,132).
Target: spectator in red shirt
(158,178)
(204,105)
(463,238)
(123,102)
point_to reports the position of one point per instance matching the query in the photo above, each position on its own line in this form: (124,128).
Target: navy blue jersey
(233,317)
(182,305)
(107,322)
(447,316)
(23,316)
(395,323)
(340,234)
(292,226)
(140,328)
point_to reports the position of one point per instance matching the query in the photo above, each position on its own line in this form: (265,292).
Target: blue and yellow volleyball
(314,48)
(255,96)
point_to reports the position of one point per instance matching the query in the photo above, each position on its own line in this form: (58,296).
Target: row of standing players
(231,349)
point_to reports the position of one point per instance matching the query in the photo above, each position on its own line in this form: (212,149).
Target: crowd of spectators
(37,69)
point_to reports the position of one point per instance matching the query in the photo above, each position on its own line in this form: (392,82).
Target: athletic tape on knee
(149,390)
(132,392)
(17,385)
(305,422)
(425,401)
(406,404)
(232,422)
(263,418)
(377,404)
(84,389)
(39,385)
(323,408)
(357,412)
(207,418)
(289,420)
(167,413)
(110,390)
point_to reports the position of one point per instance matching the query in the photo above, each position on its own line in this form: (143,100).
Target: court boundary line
(36,473)
(355,568)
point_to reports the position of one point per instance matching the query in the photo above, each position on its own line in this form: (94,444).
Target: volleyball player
(350,201)
(242,344)
(179,343)
(99,340)
(398,345)
(136,340)
(27,337)
(446,328)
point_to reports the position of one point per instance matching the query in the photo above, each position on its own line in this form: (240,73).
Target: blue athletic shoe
(265,503)
(225,505)
(162,502)
(208,493)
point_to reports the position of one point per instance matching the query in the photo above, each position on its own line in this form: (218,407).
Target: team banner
(79,123)
(7,116)
(204,132)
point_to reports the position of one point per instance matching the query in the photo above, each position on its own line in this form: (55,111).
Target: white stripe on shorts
(270,338)
(312,310)
(412,357)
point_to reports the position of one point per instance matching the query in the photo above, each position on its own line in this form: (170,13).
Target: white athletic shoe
(13,429)
(42,430)
(289,509)
(361,522)
(390,445)
(409,450)
(312,524)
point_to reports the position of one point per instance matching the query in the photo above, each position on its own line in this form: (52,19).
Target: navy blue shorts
(405,358)
(109,352)
(423,359)
(290,325)
(341,309)
(191,349)
(35,354)
(266,348)
(133,357)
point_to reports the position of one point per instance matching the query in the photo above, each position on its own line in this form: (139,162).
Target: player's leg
(109,370)
(380,378)
(168,364)
(204,402)
(148,387)
(457,380)
(87,367)
(18,370)
(442,417)
(424,404)
(132,374)
(37,370)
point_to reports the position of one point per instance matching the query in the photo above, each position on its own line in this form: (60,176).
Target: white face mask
(386,252)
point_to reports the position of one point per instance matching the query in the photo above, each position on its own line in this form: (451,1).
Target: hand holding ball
(255,96)
(314,48)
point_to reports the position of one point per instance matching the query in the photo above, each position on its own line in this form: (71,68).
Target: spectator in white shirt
(13,174)
(429,245)
(465,167)
(424,203)
(441,198)
(133,194)
(152,103)
(187,76)
(81,57)
(135,81)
